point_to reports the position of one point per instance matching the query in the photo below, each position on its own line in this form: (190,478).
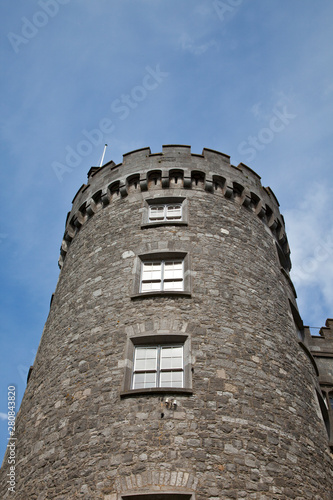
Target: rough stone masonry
(174,363)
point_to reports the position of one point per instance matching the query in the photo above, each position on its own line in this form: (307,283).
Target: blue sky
(250,78)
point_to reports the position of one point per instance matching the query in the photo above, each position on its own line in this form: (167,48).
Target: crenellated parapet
(176,168)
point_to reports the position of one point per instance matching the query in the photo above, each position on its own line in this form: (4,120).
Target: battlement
(176,167)
(321,347)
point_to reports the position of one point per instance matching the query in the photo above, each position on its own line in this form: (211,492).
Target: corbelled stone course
(249,424)
(142,170)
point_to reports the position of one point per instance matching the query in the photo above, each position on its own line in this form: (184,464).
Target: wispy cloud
(310,235)
(3,416)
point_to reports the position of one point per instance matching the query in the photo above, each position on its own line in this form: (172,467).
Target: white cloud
(310,234)
(3,416)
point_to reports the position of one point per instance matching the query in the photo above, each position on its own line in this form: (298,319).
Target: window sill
(161,293)
(157,390)
(164,223)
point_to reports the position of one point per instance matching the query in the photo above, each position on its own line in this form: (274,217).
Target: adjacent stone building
(174,363)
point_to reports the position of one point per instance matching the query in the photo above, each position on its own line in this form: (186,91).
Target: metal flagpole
(103,155)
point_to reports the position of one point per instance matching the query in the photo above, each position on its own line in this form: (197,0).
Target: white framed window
(158,366)
(162,275)
(165,212)
(157,363)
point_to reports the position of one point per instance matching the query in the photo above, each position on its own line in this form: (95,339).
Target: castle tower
(174,363)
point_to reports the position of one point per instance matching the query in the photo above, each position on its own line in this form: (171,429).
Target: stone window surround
(157,339)
(162,255)
(163,201)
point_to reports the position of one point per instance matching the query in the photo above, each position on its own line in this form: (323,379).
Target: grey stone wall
(250,424)
(321,348)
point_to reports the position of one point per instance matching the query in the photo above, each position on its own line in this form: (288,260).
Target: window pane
(173,269)
(172,351)
(156,209)
(141,352)
(166,363)
(138,381)
(150,364)
(177,352)
(149,287)
(178,264)
(165,379)
(144,380)
(145,364)
(171,357)
(145,358)
(177,379)
(151,271)
(174,212)
(150,380)
(173,285)
(156,212)
(171,379)
(151,352)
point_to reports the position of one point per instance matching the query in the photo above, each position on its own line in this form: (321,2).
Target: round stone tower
(173,363)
